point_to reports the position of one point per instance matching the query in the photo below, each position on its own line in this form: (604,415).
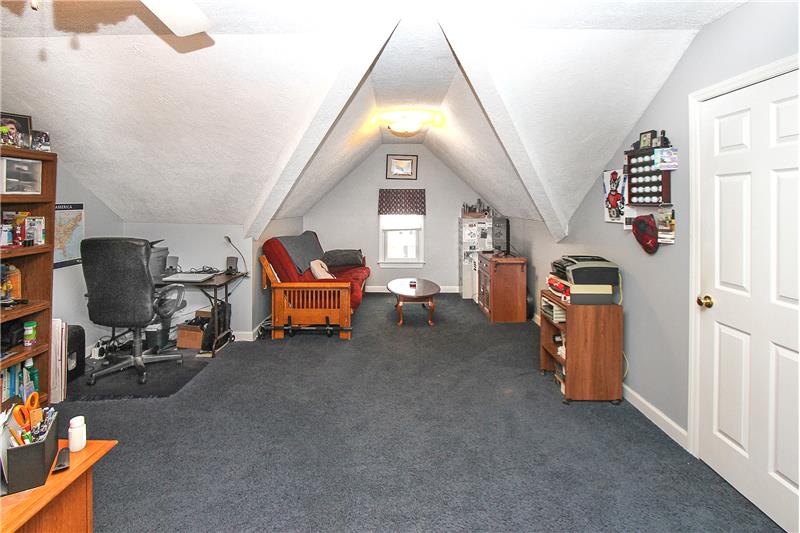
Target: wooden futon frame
(318,305)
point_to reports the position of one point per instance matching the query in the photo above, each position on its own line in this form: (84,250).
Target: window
(401,241)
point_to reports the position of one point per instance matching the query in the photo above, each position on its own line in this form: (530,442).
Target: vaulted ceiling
(259,118)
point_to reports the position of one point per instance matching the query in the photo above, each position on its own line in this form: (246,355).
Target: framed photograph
(40,140)
(16,123)
(401,167)
(646,138)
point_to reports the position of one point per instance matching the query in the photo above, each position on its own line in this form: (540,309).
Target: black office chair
(122,294)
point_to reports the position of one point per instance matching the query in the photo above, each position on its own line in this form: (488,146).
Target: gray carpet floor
(401,429)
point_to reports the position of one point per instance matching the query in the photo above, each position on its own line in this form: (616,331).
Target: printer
(586,270)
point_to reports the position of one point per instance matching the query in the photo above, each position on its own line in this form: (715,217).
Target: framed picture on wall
(401,167)
(646,138)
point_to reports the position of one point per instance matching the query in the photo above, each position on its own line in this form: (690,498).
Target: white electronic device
(188,277)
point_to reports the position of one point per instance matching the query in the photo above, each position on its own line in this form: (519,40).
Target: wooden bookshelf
(591,368)
(36,266)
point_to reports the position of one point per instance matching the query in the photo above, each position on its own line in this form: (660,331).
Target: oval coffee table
(423,294)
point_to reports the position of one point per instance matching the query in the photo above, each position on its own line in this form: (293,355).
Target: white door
(748,337)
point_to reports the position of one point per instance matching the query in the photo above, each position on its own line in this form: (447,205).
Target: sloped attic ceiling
(198,129)
(416,69)
(563,83)
(544,97)
(219,127)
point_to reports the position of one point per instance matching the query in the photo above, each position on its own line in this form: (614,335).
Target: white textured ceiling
(563,90)
(469,146)
(415,70)
(267,112)
(347,145)
(466,143)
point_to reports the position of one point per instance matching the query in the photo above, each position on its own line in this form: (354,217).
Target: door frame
(696,99)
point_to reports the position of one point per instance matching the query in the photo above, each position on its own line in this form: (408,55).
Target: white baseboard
(657,417)
(248,336)
(383,289)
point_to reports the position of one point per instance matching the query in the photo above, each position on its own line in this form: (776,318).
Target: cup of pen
(28,466)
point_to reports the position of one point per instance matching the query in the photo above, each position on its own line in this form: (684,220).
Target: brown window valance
(401,202)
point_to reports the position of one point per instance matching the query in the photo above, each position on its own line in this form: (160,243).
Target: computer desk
(219,281)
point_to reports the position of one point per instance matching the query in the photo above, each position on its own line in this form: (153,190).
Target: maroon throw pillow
(646,232)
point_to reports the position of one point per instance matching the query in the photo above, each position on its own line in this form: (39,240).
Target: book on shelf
(16,382)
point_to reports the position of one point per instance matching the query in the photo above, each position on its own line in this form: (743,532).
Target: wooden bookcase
(592,366)
(502,287)
(36,265)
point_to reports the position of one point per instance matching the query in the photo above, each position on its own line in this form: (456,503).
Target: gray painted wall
(656,288)
(262,301)
(69,303)
(197,245)
(347,217)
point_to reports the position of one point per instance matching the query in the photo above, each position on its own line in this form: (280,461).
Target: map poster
(69,234)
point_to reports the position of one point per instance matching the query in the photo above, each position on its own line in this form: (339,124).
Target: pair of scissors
(22,413)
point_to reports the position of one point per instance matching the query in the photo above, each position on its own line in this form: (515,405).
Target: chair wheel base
(92,380)
(143,378)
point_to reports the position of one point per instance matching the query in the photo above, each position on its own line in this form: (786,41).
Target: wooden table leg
(431,307)
(399,307)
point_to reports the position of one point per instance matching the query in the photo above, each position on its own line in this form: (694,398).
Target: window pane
(401,221)
(401,244)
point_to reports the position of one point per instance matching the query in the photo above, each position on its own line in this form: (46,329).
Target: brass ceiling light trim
(408,122)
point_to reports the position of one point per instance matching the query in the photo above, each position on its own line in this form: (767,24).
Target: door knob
(705,301)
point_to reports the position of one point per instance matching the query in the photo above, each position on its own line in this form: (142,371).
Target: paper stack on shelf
(553,311)
(58,361)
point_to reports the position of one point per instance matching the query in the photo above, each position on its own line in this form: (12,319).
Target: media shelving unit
(592,366)
(36,265)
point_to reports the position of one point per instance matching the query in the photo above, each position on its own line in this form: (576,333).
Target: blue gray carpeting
(412,428)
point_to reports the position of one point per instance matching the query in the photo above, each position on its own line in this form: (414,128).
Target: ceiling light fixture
(409,122)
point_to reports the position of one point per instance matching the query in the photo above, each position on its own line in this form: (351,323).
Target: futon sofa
(301,300)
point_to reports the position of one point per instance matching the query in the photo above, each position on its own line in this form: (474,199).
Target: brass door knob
(705,301)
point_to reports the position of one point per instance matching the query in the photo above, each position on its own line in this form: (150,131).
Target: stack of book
(552,311)
(580,293)
(16,381)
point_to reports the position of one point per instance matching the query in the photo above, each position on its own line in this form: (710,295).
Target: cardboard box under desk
(29,466)
(190,337)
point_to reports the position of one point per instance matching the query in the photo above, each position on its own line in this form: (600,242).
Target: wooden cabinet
(502,287)
(590,366)
(36,266)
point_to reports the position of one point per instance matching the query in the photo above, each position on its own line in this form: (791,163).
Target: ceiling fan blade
(182,17)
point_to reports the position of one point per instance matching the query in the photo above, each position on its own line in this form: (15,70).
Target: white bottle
(77,434)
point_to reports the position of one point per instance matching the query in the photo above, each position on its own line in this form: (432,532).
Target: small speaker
(76,352)
(232,265)
(172,263)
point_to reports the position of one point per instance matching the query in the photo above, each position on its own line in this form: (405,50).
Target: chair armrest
(315,284)
(166,307)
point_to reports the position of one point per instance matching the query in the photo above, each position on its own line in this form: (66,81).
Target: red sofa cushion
(356,276)
(286,271)
(280,260)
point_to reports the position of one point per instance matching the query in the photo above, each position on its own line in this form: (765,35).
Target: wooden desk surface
(16,509)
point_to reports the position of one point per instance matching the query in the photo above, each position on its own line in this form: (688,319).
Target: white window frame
(386,224)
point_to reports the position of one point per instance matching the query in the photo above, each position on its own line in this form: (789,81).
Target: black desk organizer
(646,179)
(29,466)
